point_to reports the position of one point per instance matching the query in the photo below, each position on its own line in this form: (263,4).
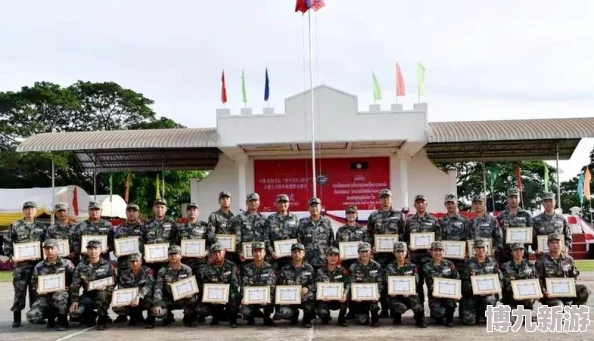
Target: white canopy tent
(114,208)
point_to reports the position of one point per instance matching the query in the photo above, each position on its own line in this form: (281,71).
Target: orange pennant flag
(587,179)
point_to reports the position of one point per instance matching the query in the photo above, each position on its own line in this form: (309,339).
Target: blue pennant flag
(580,188)
(267,87)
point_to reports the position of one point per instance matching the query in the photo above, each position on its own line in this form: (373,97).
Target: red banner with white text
(340,183)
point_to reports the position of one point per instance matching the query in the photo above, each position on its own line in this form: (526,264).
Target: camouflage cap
(548,196)
(314,201)
(333,250)
(224,194)
(399,246)
(160,202)
(94,244)
(50,243)
(385,192)
(513,191)
(351,209)
(216,247)
(252,196)
(515,246)
(93,205)
(554,236)
(297,246)
(174,249)
(135,257)
(450,197)
(132,206)
(479,243)
(192,205)
(258,245)
(364,247)
(420,197)
(282,198)
(28,204)
(61,206)
(478,198)
(437,245)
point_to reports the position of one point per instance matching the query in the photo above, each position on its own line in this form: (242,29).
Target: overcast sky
(485,60)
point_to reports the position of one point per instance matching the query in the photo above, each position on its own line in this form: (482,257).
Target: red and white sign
(341,182)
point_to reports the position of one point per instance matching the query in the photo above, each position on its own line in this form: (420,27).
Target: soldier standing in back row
(351,232)
(130,228)
(513,216)
(25,230)
(220,222)
(93,226)
(250,226)
(160,229)
(549,222)
(281,225)
(484,226)
(316,234)
(63,229)
(196,229)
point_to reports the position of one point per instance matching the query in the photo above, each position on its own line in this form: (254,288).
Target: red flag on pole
(399,82)
(75,201)
(301,6)
(223,89)
(519,178)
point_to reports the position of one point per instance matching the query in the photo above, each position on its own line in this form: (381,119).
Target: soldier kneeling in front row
(332,272)
(442,309)
(255,274)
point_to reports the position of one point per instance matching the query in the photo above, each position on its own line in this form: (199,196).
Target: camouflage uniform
(163,297)
(440,307)
(400,304)
(101,228)
(475,305)
(145,282)
(416,224)
(281,228)
(227,273)
(304,276)
(317,237)
(506,220)
(199,230)
(263,276)
(340,275)
(125,230)
(100,300)
(22,231)
(384,222)
(355,233)
(564,267)
(157,232)
(63,232)
(250,228)
(48,306)
(545,224)
(455,228)
(512,271)
(220,222)
(370,273)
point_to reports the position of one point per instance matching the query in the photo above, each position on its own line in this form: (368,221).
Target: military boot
(306,320)
(51,320)
(189,320)
(374,319)
(149,323)
(397,319)
(449,317)
(268,321)
(233,320)
(16,319)
(63,323)
(102,322)
(341,318)
(420,320)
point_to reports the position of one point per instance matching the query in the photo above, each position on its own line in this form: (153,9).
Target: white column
(403,180)
(241,161)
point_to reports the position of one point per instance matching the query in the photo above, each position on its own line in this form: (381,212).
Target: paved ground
(281,332)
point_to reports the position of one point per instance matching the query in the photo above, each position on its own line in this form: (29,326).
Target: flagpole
(558,180)
(313,139)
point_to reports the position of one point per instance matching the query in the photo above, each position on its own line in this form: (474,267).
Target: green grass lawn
(585,265)
(5,276)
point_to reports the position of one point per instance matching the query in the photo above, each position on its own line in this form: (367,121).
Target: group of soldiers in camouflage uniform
(314,258)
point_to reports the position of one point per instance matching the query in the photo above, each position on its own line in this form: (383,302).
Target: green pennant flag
(421,79)
(110,186)
(493,170)
(243,91)
(377,92)
(546,178)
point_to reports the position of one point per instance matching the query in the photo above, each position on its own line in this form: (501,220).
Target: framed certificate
(287,294)
(26,251)
(126,246)
(215,293)
(349,250)
(485,284)
(51,283)
(183,288)
(256,295)
(543,244)
(525,289)
(384,243)
(282,248)
(402,285)
(560,287)
(488,244)
(246,249)
(63,248)
(364,292)
(85,238)
(518,235)
(329,291)
(193,247)
(453,249)
(154,253)
(421,240)
(99,284)
(227,241)
(123,297)
(447,288)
